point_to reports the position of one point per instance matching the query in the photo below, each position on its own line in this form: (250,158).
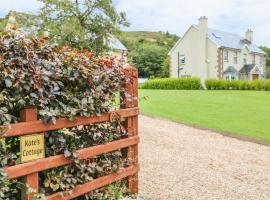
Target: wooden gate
(30,124)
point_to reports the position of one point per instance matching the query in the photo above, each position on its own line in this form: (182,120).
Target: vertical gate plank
(131,88)
(31,180)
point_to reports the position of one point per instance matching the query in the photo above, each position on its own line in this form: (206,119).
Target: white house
(212,54)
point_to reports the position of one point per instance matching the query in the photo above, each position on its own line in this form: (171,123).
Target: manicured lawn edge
(237,136)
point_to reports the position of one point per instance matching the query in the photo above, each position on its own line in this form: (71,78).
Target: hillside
(159,38)
(156,38)
(148,51)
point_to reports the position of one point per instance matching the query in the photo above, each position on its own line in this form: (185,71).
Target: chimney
(249,35)
(203,24)
(203,71)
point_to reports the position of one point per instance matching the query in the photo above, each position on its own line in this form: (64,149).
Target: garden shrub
(59,82)
(237,85)
(172,84)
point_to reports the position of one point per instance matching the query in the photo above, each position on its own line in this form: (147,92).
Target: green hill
(157,38)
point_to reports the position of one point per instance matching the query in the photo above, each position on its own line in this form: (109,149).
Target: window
(226,55)
(182,59)
(235,58)
(245,59)
(227,77)
(253,58)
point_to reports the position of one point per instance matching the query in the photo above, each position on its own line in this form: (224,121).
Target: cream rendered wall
(212,60)
(203,51)
(240,60)
(230,61)
(187,46)
(204,67)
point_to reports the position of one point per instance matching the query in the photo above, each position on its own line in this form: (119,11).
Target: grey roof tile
(230,40)
(230,69)
(246,69)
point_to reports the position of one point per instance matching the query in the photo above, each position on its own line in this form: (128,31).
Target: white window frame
(226,55)
(182,59)
(235,57)
(245,58)
(253,58)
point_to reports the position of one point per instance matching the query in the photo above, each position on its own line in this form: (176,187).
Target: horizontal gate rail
(95,184)
(60,160)
(24,128)
(28,172)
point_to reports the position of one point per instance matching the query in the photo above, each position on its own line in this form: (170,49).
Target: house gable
(179,40)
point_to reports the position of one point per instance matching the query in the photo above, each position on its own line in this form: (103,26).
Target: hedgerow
(172,84)
(237,85)
(59,82)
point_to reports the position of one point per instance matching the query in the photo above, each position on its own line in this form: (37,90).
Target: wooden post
(31,180)
(129,100)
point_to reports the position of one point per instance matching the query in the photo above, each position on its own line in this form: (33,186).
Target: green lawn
(238,112)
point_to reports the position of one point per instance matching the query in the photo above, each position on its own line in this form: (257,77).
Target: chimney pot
(249,35)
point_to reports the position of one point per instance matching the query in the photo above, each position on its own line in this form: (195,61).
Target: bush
(237,85)
(172,84)
(59,82)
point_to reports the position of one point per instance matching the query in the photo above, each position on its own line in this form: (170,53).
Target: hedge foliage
(237,85)
(59,82)
(172,84)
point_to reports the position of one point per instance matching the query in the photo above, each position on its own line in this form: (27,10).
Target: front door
(255,76)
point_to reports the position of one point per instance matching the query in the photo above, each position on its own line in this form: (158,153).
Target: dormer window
(216,36)
(245,41)
(226,55)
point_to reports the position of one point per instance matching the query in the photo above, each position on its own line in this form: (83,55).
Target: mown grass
(245,113)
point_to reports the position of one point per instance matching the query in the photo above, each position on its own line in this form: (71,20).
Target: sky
(175,16)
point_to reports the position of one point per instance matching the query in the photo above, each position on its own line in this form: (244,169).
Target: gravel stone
(186,163)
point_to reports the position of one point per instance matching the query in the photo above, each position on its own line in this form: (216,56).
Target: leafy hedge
(59,82)
(172,84)
(237,85)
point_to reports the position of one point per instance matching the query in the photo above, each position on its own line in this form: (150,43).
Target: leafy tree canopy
(148,51)
(267,51)
(81,23)
(77,23)
(149,59)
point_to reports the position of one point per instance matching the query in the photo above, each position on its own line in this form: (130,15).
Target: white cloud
(177,15)
(18,5)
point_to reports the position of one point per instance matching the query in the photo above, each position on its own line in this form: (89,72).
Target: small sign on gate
(32,147)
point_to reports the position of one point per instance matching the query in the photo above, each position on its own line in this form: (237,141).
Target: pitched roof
(227,40)
(233,41)
(230,69)
(246,69)
(116,44)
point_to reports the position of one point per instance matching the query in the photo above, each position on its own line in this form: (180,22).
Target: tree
(19,20)
(165,68)
(81,23)
(267,51)
(148,50)
(149,59)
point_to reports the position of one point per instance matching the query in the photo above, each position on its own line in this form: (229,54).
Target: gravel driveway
(182,162)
